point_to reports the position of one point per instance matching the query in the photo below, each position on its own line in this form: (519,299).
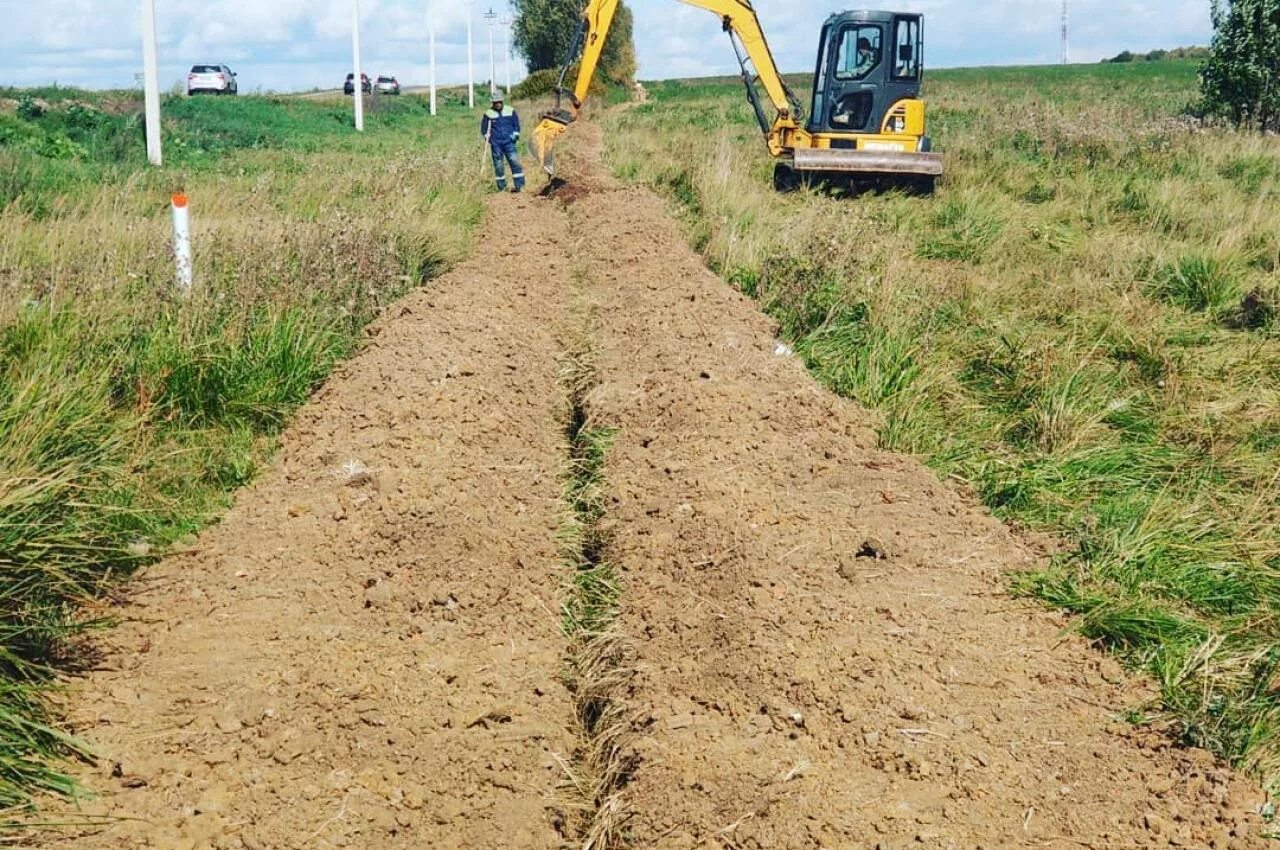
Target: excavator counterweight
(865,125)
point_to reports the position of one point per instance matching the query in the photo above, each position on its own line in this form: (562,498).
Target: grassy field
(127,412)
(1081,326)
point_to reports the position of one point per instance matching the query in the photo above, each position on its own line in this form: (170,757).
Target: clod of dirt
(355,473)
(875,549)
(380,595)
(491,718)
(564,191)
(872,549)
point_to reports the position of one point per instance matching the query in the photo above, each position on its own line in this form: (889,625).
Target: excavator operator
(867,59)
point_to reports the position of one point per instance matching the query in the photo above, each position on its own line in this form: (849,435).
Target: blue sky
(296,44)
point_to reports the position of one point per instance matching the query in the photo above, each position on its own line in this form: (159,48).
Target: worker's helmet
(497,97)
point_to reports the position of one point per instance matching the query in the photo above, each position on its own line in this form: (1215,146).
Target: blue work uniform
(502,129)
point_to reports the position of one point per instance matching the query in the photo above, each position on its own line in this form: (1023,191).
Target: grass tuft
(1198,283)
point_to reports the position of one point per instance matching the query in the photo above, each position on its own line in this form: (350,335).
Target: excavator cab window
(907,47)
(852,111)
(819,106)
(859,52)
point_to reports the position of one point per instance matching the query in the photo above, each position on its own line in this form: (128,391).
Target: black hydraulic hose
(574,47)
(753,96)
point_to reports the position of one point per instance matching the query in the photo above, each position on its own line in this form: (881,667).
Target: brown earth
(824,654)
(366,658)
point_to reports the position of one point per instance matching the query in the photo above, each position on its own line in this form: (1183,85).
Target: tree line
(544,31)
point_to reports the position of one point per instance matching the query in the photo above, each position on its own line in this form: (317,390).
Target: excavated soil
(366,651)
(822,651)
(827,658)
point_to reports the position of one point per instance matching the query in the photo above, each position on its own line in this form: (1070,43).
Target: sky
(291,45)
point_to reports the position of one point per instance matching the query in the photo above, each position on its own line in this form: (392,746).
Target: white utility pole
(471,65)
(1066,35)
(492,16)
(506,46)
(432,37)
(151,82)
(357,81)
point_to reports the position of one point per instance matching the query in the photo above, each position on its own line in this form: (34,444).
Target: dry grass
(600,662)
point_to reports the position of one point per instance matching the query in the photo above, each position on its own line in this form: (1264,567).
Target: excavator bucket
(542,141)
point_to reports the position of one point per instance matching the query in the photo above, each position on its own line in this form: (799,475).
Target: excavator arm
(739,20)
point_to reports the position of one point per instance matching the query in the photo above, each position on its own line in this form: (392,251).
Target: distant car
(349,87)
(211,79)
(387,85)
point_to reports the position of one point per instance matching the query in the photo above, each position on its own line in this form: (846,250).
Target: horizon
(304,45)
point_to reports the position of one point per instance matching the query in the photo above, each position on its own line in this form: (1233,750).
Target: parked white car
(211,79)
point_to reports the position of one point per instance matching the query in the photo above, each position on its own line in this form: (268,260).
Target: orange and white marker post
(182,241)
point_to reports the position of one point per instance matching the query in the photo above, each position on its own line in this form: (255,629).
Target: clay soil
(367,652)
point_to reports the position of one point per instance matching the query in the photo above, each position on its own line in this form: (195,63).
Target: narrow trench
(598,663)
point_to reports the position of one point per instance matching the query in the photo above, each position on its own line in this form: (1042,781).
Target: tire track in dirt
(826,653)
(363,658)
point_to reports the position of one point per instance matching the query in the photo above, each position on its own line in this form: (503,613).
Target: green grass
(1081,325)
(128,412)
(81,140)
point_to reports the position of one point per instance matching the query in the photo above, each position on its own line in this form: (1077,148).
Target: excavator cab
(866,121)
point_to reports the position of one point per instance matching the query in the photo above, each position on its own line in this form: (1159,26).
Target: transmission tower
(1066,34)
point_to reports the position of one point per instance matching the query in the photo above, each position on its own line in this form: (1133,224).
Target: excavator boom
(895,150)
(739,20)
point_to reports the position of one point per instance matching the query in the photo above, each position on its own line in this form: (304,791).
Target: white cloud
(957,32)
(289,44)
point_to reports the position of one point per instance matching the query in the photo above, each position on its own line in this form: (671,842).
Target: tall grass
(1081,325)
(128,412)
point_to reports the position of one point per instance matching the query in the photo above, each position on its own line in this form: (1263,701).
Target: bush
(544,30)
(538,84)
(30,109)
(1240,79)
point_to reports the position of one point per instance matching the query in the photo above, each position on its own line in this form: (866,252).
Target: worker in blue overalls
(501,127)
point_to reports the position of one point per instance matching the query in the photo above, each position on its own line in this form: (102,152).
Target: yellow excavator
(866,122)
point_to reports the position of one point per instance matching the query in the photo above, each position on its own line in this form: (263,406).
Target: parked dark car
(349,87)
(387,85)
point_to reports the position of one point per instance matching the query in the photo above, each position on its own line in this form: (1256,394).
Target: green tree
(1240,78)
(544,30)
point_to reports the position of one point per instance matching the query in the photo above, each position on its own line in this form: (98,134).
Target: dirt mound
(564,191)
(367,651)
(827,658)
